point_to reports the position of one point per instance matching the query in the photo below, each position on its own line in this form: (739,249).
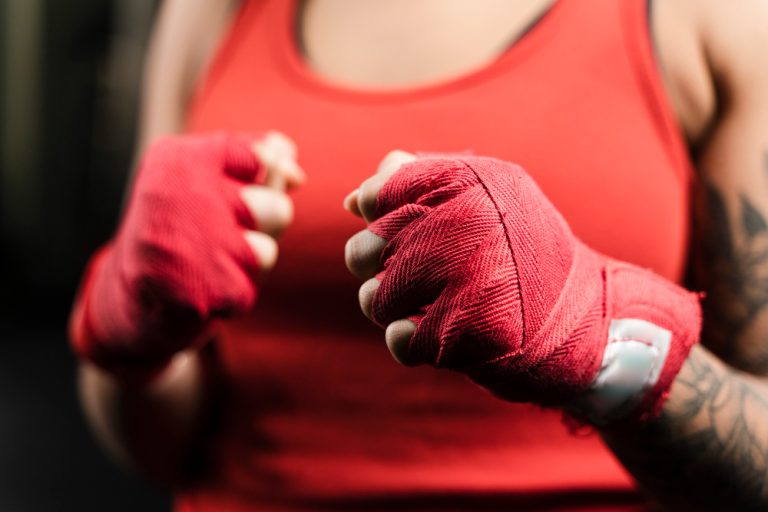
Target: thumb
(278,155)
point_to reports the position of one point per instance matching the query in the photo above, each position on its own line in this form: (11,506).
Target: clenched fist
(471,268)
(196,236)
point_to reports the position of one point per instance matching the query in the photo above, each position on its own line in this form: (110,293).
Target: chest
(402,42)
(397,43)
(569,101)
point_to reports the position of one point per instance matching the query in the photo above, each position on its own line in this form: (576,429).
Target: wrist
(651,326)
(108,329)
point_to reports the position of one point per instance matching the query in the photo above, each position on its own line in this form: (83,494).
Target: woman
(296,406)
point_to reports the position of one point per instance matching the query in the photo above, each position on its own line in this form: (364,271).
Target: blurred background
(69,77)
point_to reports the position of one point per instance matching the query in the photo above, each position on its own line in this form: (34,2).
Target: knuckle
(275,147)
(284,142)
(387,160)
(393,161)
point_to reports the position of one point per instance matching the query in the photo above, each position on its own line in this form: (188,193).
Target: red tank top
(316,413)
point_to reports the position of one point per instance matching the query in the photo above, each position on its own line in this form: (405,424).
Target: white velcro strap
(632,362)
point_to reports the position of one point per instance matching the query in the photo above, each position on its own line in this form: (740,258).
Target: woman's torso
(317,414)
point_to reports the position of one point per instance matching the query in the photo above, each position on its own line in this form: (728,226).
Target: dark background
(69,75)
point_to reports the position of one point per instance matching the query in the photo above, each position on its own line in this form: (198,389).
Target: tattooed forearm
(709,448)
(731,263)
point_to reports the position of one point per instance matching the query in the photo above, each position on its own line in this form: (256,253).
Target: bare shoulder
(711,53)
(184,39)
(735,39)
(684,66)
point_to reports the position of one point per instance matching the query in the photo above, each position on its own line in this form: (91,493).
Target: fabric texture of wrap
(502,290)
(178,260)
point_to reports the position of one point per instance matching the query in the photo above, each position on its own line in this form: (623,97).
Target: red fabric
(316,414)
(178,261)
(506,293)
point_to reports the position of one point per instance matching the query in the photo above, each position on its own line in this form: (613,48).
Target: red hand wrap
(178,260)
(502,290)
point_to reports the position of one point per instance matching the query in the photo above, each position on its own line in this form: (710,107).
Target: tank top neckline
(298,69)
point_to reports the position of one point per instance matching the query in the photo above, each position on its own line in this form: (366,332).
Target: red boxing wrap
(502,290)
(178,260)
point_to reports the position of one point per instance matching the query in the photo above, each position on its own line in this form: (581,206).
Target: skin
(130,419)
(709,448)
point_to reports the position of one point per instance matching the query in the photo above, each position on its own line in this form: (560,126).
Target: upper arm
(731,201)
(734,38)
(184,38)
(153,428)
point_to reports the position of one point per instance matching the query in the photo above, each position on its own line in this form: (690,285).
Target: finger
(272,210)
(278,154)
(264,247)
(365,295)
(350,203)
(418,264)
(426,181)
(281,143)
(398,338)
(362,253)
(389,225)
(284,174)
(393,161)
(369,189)
(240,162)
(293,176)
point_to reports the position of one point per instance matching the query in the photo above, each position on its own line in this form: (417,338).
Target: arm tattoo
(732,267)
(708,449)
